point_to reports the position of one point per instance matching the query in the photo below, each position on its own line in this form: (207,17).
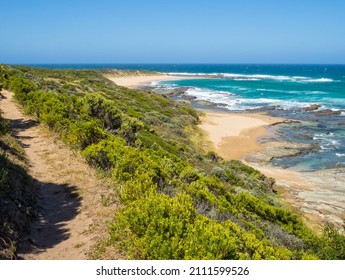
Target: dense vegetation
(17,193)
(177,202)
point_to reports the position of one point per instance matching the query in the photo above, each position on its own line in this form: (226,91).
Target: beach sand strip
(235,135)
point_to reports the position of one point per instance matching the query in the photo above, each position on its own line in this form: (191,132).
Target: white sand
(136,81)
(223,125)
(235,135)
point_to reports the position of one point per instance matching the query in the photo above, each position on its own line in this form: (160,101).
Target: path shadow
(18,125)
(36,212)
(22,124)
(58,204)
(11,150)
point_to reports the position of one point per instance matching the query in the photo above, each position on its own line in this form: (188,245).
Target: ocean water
(279,90)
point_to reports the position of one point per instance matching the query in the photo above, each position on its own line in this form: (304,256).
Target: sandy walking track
(71,217)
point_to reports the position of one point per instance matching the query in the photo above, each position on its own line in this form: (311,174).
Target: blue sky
(187,31)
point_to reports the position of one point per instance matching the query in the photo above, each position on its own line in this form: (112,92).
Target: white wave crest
(326,142)
(321,80)
(233,102)
(255,77)
(340,155)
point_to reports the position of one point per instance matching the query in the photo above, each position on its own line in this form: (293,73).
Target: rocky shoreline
(319,195)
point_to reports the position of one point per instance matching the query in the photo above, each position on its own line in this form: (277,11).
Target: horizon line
(166,63)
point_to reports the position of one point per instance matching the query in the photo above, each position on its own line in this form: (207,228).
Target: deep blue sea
(279,90)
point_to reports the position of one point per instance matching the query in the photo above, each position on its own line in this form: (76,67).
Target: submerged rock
(284,122)
(265,108)
(210,104)
(303,137)
(205,103)
(312,107)
(327,112)
(188,97)
(273,150)
(176,91)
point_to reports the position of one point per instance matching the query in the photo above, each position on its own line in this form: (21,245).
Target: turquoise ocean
(286,91)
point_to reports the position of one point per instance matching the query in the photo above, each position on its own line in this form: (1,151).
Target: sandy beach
(137,81)
(235,135)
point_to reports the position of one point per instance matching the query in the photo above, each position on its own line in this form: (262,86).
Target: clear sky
(172,31)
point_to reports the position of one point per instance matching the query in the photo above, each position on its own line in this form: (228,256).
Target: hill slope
(176,202)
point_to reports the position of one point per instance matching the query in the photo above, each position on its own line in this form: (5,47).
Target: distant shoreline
(140,80)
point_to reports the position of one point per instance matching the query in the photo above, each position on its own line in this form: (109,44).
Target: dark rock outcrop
(312,107)
(327,112)
(284,122)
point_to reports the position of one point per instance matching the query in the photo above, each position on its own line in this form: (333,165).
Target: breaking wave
(255,77)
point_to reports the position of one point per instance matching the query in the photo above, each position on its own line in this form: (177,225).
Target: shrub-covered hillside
(17,193)
(177,202)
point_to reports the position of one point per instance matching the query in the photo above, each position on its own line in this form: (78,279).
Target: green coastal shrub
(189,175)
(129,127)
(106,153)
(220,173)
(83,134)
(21,87)
(95,105)
(333,243)
(159,227)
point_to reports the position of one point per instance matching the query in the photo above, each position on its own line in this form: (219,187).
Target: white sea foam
(247,79)
(186,74)
(239,88)
(340,155)
(322,136)
(256,77)
(211,95)
(233,102)
(299,77)
(327,141)
(315,92)
(321,80)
